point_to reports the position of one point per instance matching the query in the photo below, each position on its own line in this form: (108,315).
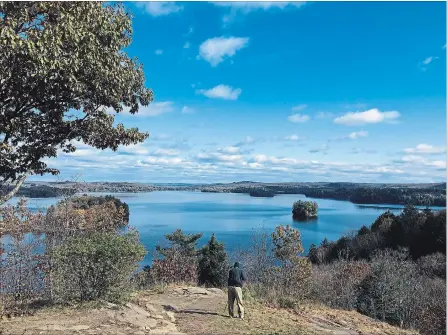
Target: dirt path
(194,311)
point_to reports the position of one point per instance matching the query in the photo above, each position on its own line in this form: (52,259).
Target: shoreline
(432,195)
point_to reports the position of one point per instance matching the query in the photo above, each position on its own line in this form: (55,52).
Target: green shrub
(213,264)
(97,266)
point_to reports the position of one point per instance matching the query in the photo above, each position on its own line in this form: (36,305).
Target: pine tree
(213,264)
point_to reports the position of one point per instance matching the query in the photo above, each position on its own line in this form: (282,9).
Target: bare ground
(193,311)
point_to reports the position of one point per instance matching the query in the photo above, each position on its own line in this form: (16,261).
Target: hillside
(192,310)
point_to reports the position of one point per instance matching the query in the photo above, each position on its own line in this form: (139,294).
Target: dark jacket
(236,276)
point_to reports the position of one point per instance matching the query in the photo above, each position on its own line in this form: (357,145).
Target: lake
(233,217)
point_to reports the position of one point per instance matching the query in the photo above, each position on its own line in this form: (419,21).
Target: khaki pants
(235,293)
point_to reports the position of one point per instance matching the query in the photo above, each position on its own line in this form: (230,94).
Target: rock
(157,316)
(52,327)
(172,308)
(111,305)
(180,290)
(216,291)
(171,315)
(151,309)
(139,332)
(79,327)
(198,290)
(138,309)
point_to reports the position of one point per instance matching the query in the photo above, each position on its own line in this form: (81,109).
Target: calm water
(233,217)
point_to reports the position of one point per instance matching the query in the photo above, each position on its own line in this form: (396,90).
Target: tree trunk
(11,193)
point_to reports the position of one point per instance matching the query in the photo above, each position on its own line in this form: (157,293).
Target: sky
(282,91)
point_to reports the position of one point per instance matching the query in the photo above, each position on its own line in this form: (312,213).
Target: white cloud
(165,152)
(187,110)
(215,50)
(423,65)
(221,92)
(292,138)
(160,161)
(425,149)
(156,108)
(356,134)
(428,60)
(367,117)
(158,52)
(258,5)
(159,8)
(217,156)
(298,118)
(187,45)
(299,108)
(413,159)
(137,149)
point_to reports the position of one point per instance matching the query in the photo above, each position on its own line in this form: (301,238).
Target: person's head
(236,265)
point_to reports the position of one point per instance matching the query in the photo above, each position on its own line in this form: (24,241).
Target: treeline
(434,196)
(421,232)
(44,191)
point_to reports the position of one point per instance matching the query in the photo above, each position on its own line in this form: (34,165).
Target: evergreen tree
(213,264)
(183,243)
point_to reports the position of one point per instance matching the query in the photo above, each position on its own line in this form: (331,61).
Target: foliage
(389,287)
(185,244)
(20,261)
(43,191)
(85,202)
(95,267)
(85,214)
(287,243)
(175,267)
(304,209)
(422,232)
(178,262)
(338,284)
(395,293)
(213,264)
(433,265)
(18,219)
(63,73)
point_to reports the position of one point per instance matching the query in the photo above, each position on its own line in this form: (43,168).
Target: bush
(178,262)
(213,264)
(304,210)
(97,266)
(433,265)
(338,284)
(175,267)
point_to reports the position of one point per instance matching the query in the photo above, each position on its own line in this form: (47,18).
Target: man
(235,280)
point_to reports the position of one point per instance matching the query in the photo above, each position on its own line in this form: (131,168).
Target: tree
(63,76)
(183,243)
(213,264)
(179,262)
(304,209)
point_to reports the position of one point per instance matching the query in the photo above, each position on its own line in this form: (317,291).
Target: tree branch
(11,193)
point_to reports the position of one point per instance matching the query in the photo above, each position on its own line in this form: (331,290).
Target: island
(304,210)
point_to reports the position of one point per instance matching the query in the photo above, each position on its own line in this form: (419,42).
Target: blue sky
(321,91)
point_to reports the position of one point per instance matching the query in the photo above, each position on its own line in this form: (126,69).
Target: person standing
(236,278)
